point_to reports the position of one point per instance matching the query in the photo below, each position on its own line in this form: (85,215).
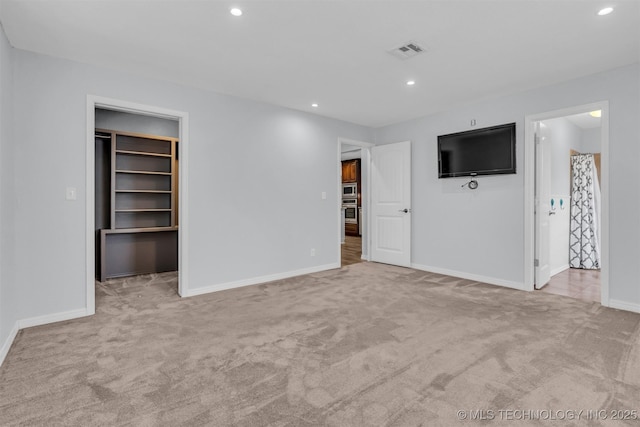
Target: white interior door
(391,203)
(542,261)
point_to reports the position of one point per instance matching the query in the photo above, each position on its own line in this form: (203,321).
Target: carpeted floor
(367,345)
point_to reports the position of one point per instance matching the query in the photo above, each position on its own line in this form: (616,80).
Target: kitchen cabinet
(351,176)
(350,170)
(351,229)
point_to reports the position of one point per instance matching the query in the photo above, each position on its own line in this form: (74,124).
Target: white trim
(604,191)
(90,189)
(6,346)
(367,230)
(37,321)
(261,279)
(529,170)
(183,206)
(528,202)
(94,102)
(52,318)
(470,276)
(365,157)
(559,269)
(622,305)
(339,201)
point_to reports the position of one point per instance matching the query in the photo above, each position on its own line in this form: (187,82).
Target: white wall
(127,122)
(256,173)
(481,232)
(8,289)
(564,136)
(591,140)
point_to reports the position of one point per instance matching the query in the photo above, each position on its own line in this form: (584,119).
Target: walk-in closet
(136,194)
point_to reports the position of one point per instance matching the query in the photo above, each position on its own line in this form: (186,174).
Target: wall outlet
(313,251)
(473,122)
(71,193)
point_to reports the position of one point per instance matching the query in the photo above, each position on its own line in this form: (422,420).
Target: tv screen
(486,151)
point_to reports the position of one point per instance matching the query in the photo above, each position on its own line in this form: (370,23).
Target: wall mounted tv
(487,151)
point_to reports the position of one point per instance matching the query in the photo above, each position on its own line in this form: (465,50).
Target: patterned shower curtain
(584,240)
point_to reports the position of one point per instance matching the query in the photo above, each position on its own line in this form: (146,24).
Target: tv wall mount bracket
(473,184)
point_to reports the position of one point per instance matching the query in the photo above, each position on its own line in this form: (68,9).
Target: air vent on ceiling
(407,50)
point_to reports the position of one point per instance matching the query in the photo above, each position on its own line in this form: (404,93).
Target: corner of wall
(470,276)
(8,325)
(8,342)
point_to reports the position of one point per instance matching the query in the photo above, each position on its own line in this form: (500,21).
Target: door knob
(405,210)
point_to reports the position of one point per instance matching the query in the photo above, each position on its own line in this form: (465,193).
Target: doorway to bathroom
(568,244)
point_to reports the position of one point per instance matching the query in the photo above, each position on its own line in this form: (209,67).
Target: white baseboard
(470,276)
(52,318)
(559,269)
(261,279)
(37,321)
(623,305)
(4,350)
(364,257)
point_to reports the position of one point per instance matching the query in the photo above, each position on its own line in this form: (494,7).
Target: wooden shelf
(138,230)
(145,191)
(142,210)
(143,153)
(144,172)
(142,205)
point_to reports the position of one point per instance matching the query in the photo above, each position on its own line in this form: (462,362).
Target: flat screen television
(487,151)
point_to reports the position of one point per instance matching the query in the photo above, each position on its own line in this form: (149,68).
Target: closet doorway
(570,250)
(136,214)
(136,194)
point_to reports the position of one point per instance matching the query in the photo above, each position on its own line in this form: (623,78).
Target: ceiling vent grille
(407,50)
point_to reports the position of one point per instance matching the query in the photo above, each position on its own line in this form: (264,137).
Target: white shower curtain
(584,239)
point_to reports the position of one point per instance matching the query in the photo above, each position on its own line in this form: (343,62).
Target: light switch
(324,195)
(71,193)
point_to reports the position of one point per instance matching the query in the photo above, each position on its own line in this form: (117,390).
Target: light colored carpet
(368,345)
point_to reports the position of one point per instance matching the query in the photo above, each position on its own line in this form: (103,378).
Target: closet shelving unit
(143,224)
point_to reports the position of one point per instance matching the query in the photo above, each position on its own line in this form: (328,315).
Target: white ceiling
(294,53)
(584,121)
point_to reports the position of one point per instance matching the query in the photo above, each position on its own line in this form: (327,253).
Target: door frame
(542,155)
(366,157)
(529,176)
(94,102)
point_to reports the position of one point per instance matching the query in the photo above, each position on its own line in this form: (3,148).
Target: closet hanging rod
(102,136)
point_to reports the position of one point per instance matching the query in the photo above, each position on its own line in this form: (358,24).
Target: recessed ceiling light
(605,11)
(411,82)
(314,105)
(235,11)
(596,113)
